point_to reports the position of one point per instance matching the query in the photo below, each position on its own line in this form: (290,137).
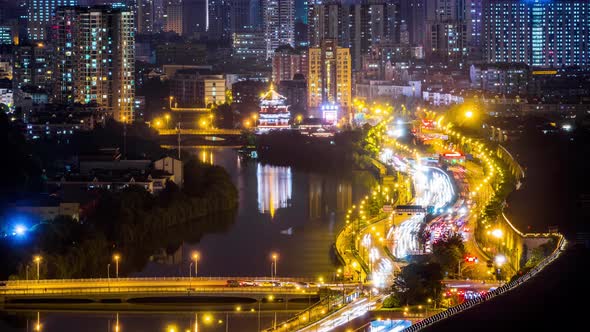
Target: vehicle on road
(233,283)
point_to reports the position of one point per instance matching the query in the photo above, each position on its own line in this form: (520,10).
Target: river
(292,213)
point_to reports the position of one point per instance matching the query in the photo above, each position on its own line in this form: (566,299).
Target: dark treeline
(131,222)
(21,169)
(134,224)
(342,153)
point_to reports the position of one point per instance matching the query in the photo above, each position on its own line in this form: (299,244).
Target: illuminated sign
(544,72)
(330,113)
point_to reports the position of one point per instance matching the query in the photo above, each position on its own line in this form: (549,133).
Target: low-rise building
(190,89)
(249,45)
(503,78)
(440,98)
(46,207)
(373,90)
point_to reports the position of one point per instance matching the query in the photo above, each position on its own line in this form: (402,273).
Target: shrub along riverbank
(134,224)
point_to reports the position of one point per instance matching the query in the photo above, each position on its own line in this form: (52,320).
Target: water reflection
(280,208)
(274,188)
(211,321)
(328,195)
(206,156)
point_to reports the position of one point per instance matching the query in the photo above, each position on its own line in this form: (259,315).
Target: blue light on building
(40,13)
(541,33)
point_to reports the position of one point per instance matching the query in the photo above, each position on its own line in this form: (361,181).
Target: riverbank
(341,153)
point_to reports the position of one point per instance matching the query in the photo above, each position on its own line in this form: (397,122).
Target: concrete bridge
(201,132)
(100,293)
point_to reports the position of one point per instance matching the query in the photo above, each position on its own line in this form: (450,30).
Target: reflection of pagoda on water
(274,188)
(274,111)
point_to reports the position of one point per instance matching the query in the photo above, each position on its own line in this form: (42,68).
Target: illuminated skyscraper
(286,62)
(219,20)
(540,33)
(560,33)
(40,14)
(145,16)
(95,59)
(507,31)
(329,76)
(173,16)
(357,25)
(279,24)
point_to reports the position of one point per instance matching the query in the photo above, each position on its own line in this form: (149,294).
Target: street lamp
(37,260)
(273,265)
(167,117)
(497,233)
(116,258)
(195,258)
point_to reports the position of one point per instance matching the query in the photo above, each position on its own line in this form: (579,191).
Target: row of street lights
(195,256)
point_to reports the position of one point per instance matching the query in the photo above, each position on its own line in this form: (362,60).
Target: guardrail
(561,247)
(155,289)
(258,279)
(313,314)
(168,132)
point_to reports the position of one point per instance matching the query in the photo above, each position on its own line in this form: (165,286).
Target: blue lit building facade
(40,14)
(560,33)
(540,33)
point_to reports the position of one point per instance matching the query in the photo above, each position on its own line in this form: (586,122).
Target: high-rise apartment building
(240,16)
(173,16)
(474,25)
(31,66)
(39,16)
(219,20)
(446,31)
(279,24)
(329,76)
(95,60)
(249,45)
(195,16)
(286,62)
(539,33)
(354,25)
(413,19)
(190,89)
(145,16)
(560,33)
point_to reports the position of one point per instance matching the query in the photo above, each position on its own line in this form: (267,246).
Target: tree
(448,252)
(23,172)
(419,282)
(392,301)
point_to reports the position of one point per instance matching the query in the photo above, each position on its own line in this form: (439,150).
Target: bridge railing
(561,247)
(163,279)
(155,289)
(313,314)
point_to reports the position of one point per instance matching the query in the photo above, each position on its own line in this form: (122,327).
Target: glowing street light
(497,233)
(37,260)
(273,266)
(469,114)
(195,256)
(116,258)
(500,260)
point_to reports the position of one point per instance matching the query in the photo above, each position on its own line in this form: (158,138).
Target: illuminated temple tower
(274,111)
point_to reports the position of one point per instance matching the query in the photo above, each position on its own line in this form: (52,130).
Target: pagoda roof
(272,95)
